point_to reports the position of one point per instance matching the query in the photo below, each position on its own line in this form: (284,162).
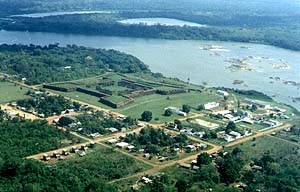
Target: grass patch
(277,148)
(103,163)
(11,92)
(157,103)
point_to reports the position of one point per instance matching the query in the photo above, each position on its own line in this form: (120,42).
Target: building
(257,103)
(130,147)
(223,93)
(235,134)
(248,120)
(211,105)
(223,112)
(122,144)
(177,111)
(113,130)
(112,141)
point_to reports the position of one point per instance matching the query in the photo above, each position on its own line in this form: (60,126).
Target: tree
(253,108)
(204,159)
(236,151)
(239,104)
(65,121)
(186,108)
(168,113)
(178,123)
(229,167)
(200,107)
(231,126)
(181,185)
(146,116)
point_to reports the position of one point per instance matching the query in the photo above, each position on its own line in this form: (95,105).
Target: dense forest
(40,64)
(278,31)
(20,138)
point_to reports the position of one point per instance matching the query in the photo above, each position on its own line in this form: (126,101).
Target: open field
(103,163)
(157,103)
(10,92)
(277,148)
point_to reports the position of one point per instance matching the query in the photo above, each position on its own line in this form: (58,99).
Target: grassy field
(116,98)
(103,163)
(82,97)
(157,103)
(9,92)
(277,148)
(255,126)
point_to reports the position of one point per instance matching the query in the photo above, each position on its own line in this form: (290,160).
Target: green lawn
(157,103)
(116,98)
(9,92)
(82,97)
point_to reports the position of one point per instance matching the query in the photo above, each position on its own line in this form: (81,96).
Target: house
(270,123)
(112,141)
(65,152)
(12,115)
(211,105)
(46,157)
(279,110)
(84,147)
(223,112)
(191,147)
(56,121)
(56,154)
(146,180)
(235,134)
(228,138)
(146,155)
(130,147)
(248,120)
(201,145)
(95,135)
(258,103)
(67,67)
(231,118)
(223,93)
(113,130)
(122,144)
(74,149)
(177,111)
(256,167)
(162,159)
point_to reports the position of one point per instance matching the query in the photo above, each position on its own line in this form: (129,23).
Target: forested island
(40,64)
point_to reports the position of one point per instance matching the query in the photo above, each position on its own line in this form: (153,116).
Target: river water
(197,60)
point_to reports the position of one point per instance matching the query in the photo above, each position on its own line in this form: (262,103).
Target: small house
(122,144)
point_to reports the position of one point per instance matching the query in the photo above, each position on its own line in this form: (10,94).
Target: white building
(122,144)
(177,111)
(223,93)
(211,105)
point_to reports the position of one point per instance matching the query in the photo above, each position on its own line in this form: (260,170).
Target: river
(197,60)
